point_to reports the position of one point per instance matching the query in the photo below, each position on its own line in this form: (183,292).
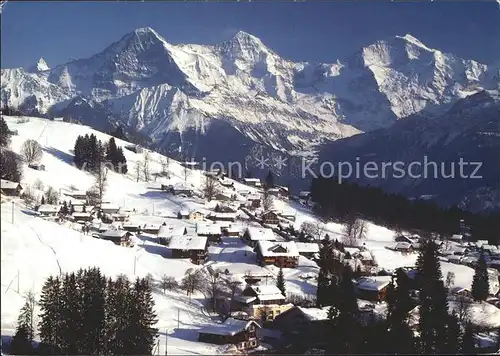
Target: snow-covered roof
(7,184)
(273,248)
(456,237)
(351,250)
(260,234)
(151,226)
(78,202)
(307,247)
(169,231)
(115,233)
(253,197)
(223,215)
(76,193)
(208,229)
(365,255)
(229,327)
(185,242)
(81,215)
(287,213)
(183,187)
(49,208)
(248,180)
(315,313)
(489,247)
(267,292)
(402,246)
(131,224)
(375,283)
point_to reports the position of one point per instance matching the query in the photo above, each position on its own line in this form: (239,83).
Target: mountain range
(198,100)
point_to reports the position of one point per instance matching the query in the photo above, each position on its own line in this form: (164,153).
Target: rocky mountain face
(197,101)
(435,145)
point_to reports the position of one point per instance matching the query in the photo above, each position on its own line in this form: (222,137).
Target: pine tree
(480,281)
(468,343)
(117,311)
(71,315)
(21,344)
(50,325)
(269,180)
(452,345)
(25,331)
(42,201)
(4,133)
(280,282)
(322,292)
(64,209)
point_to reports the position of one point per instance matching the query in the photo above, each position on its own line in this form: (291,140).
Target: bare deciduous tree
(145,165)
(165,163)
(38,184)
(168,282)
(462,308)
(450,279)
(233,286)
(313,229)
(265,313)
(101,181)
(211,188)
(28,196)
(267,202)
(214,280)
(137,170)
(51,196)
(31,151)
(192,281)
(354,229)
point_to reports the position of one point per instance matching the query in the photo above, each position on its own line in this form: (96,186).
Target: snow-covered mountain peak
(414,41)
(40,66)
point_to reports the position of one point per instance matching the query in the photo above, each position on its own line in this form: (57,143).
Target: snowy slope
(33,248)
(158,88)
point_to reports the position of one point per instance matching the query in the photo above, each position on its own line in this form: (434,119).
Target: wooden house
(226,208)
(307,249)
(229,217)
(403,247)
(151,228)
(270,218)
(10,188)
(226,183)
(252,235)
(254,182)
(253,200)
(373,288)
(241,333)
(81,216)
(121,217)
(183,214)
(109,209)
(261,295)
(196,215)
(232,230)
(182,189)
(78,194)
(49,209)
(118,237)
(281,254)
(287,214)
(131,227)
(192,247)
(211,231)
(308,324)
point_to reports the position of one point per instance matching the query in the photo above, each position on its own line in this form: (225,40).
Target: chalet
(211,231)
(196,215)
(152,229)
(36,166)
(404,247)
(253,200)
(456,237)
(231,217)
(366,258)
(49,210)
(307,249)
(109,208)
(254,182)
(119,217)
(226,208)
(298,323)
(183,214)
(193,247)
(283,191)
(10,188)
(232,230)
(281,254)
(118,237)
(166,231)
(253,235)
(275,192)
(78,194)
(241,333)
(131,227)
(261,295)
(182,189)
(289,215)
(373,288)
(82,216)
(270,218)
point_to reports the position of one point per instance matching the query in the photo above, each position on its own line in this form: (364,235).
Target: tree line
(435,331)
(90,153)
(86,313)
(341,201)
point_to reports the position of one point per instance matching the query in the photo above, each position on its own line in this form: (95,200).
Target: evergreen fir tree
(323,289)
(42,201)
(50,325)
(25,331)
(64,209)
(452,345)
(280,282)
(21,344)
(118,310)
(480,282)
(4,133)
(70,316)
(468,343)
(269,180)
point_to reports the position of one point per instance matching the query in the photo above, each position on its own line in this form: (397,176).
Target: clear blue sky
(313,31)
